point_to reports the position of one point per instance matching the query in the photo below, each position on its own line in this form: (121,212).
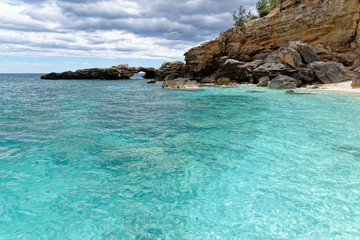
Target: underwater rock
(181,83)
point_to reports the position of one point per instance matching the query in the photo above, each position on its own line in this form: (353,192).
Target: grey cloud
(189,19)
(179,23)
(150,17)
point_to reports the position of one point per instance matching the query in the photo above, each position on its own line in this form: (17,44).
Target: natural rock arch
(122,71)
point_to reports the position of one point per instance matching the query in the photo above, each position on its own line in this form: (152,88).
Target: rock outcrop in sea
(122,71)
(171,71)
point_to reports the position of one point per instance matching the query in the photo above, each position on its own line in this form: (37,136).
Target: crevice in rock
(357,26)
(353,38)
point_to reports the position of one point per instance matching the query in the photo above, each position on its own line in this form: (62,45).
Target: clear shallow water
(126,160)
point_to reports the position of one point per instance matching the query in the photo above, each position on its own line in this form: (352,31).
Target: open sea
(91,159)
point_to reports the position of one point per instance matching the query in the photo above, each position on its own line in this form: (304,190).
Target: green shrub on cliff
(264,7)
(265,11)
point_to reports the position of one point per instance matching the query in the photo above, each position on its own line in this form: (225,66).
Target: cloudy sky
(59,35)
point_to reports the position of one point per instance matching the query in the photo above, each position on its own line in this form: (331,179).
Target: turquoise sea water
(126,160)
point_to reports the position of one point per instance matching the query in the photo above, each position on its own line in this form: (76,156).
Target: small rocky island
(307,43)
(122,71)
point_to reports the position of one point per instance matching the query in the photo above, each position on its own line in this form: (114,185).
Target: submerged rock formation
(181,83)
(122,71)
(331,27)
(282,81)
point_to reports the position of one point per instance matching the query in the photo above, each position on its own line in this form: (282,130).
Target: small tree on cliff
(275,3)
(261,5)
(241,17)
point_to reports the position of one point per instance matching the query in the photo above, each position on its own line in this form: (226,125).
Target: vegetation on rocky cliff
(241,17)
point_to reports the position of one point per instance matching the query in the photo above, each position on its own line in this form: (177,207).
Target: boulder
(269,69)
(283,82)
(153,81)
(297,54)
(290,91)
(261,56)
(331,72)
(234,70)
(263,82)
(271,58)
(305,75)
(307,54)
(177,69)
(181,83)
(290,56)
(250,66)
(356,80)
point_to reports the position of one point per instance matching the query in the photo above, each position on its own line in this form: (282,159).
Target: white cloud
(114,44)
(157,29)
(14,17)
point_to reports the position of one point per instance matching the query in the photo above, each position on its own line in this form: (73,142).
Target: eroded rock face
(181,83)
(331,72)
(331,27)
(175,69)
(204,59)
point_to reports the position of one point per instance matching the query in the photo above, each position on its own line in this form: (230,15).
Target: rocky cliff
(330,27)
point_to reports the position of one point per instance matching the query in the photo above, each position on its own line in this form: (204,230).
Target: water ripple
(125,160)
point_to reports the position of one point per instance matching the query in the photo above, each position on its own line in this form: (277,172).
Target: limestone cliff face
(331,27)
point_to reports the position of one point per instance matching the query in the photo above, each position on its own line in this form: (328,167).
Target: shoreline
(338,87)
(344,87)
